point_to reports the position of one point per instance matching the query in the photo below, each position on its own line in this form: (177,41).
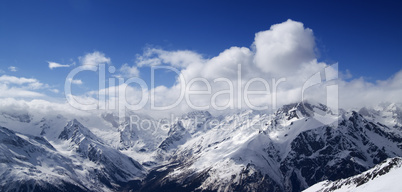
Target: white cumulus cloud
(278,64)
(286,51)
(94,59)
(284,47)
(127,71)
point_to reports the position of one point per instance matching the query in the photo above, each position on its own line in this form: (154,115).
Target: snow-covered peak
(29,162)
(303,109)
(389,114)
(74,130)
(383,177)
(288,150)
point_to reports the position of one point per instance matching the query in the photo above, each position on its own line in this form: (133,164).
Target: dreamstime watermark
(237,92)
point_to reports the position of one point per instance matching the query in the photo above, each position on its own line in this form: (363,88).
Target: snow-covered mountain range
(290,149)
(383,177)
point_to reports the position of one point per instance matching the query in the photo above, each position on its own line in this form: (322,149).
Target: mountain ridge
(291,149)
(366,180)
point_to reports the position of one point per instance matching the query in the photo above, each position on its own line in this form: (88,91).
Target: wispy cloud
(180,58)
(26,83)
(11,86)
(54,90)
(127,71)
(6,79)
(53,65)
(13,68)
(13,92)
(76,81)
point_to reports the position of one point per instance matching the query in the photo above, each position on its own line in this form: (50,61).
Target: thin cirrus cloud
(12,68)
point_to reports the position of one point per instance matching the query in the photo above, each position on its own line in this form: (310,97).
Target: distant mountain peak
(306,109)
(75,132)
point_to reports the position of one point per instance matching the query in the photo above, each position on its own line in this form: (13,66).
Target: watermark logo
(238,93)
(324,79)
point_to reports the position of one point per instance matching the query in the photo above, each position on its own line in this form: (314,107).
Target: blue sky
(364,37)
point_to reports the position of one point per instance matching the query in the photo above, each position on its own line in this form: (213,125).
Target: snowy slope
(78,161)
(290,149)
(107,165)
(29,163)
(383,177)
